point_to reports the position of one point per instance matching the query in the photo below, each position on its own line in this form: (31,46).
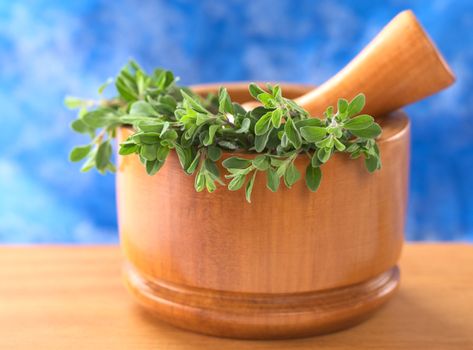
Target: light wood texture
(291,263)
(57,298)
(401,65)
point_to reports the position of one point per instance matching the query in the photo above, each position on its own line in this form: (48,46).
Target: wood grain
(73,298)
(281,245)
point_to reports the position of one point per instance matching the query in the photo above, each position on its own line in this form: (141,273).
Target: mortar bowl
(291,264)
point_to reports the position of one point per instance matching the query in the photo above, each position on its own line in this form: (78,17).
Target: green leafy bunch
(101,118)
(267,139)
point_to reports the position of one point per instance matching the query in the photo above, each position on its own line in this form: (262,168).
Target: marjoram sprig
(165,118)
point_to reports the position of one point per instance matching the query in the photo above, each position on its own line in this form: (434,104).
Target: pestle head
(401,65)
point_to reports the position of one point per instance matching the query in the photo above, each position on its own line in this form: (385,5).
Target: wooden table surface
(73,298)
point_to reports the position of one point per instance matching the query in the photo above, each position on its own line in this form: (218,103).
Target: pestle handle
(401,65)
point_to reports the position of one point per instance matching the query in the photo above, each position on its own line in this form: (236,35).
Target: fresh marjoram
(166,117)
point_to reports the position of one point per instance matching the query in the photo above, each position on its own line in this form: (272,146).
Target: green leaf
(292,134)
(194,163)
(162,79)
(249,187)
(184,155)
(199,183)
(342,105)
(353,147)
(89,163)
(323,154)
(255,90)
(110,167)
(276,162)
(102,87)
(101,118)
(212,168)
(228,145)
(237,182)
(224,101)
(313,176)
(358,123)
(309,122)
(272,180)
(126,92)
(146,138)
(292,175)
(127,148)
(140,82)
(261,162)
(325,143)
(245,126)
(276,117)
(236,163)
(159,79)
(261,141)
(162,153)
(355,154)
(138,120)
(258,112)
(168,101)
(329,112)
(78,153)
(338,145)
(202,118)
(267,100)
(238,109)
(170,135)
(337,132)
(104,152)
(315,161)
(276,91)
(373,131)
(313,133)
(153,166)
(164,129)
(376,152)
(190,134)
(356,105)
(210,183)
(170,79)
(371,163)
(194,104)
(282,167)
(143,108)
(263,124)
(148,152)
(134,65)
(284,141)
(79,126)
(211,135)
(74,102)
(214,153)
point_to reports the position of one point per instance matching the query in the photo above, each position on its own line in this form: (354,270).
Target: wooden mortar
(290,264)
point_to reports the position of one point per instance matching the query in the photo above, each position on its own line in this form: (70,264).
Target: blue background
(52,48)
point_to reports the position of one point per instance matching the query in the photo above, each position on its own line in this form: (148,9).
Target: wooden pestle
(401,65)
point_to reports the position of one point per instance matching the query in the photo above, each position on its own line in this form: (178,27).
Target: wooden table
(72,298)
